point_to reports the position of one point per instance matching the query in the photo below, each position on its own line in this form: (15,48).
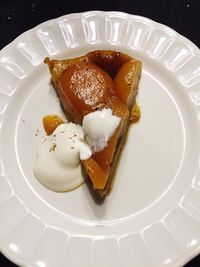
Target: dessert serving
(98,95)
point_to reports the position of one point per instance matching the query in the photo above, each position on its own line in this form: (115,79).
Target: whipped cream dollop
(57,163)
(99,126)
(58,158)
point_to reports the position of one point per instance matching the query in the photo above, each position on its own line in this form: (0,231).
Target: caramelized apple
(51,122)
(110,61)
(84,88)
(96,173)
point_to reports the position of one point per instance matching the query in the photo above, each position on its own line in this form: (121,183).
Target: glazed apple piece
(51,122)
(108,60)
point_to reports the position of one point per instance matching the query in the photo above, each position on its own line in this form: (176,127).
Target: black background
(17,16)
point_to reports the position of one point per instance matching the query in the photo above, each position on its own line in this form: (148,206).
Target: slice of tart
(100,79)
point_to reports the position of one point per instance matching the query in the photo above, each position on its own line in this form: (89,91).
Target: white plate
(152,216)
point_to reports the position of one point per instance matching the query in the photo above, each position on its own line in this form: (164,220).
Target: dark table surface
(17,16)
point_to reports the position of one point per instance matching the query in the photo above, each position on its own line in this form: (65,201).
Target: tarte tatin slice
(100,79)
